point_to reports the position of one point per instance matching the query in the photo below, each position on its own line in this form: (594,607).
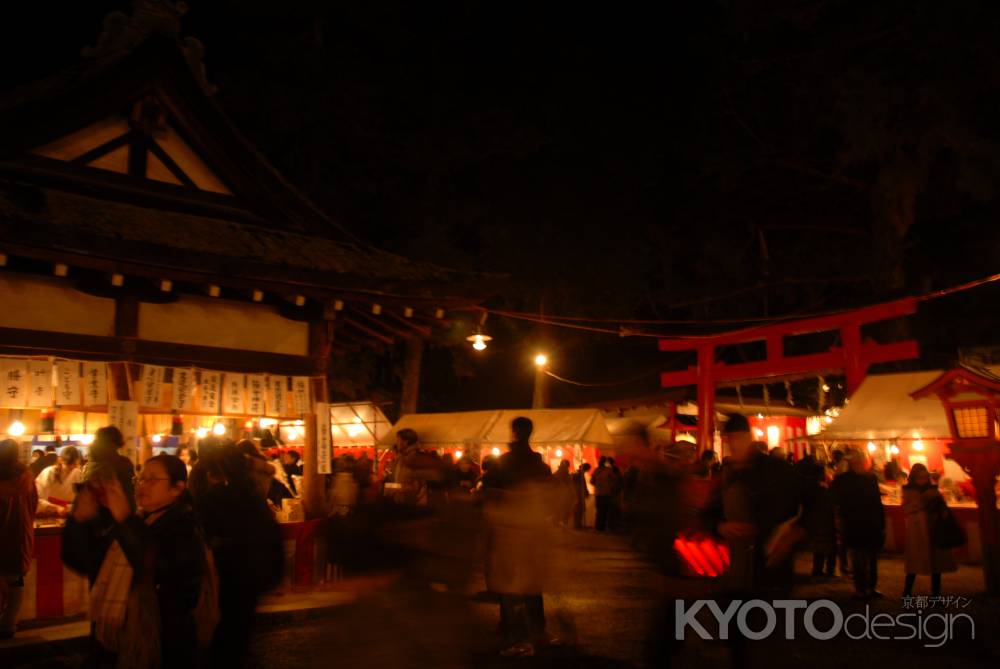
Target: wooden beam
(377,323)
(388,341)
(409,322)
(15,341)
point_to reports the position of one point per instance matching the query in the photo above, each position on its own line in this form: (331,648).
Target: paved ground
(603,601)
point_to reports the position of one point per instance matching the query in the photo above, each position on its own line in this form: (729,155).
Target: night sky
(690,161)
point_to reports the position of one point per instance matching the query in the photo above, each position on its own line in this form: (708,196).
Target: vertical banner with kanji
(14,374)
(300,394)
(95,384)
(277,396)
(183,398)
(68,383)
(209,392)
(256,391)
(39,383)
(125,416)
(323,439)
(232,396)
(151,386)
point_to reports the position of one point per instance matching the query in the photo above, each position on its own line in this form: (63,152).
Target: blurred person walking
(858,501)
(245,541)
(518,489)
(603,480)
(18,501)
(582,493)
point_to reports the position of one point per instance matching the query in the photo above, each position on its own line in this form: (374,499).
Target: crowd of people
(177,554)
(191,542)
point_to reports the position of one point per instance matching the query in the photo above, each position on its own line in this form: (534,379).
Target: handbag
(946,532)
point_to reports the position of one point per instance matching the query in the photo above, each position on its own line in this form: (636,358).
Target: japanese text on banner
(68,386)
(300,394)
(233,395)
(125,416)
(256,387)
(209,390)
(183,389)
(277,396)
(323,439)
(39,383)
(151,390)
(14,374)
(95,384)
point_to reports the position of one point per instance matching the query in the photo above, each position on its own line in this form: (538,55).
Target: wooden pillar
(855,366)
(312,482)
(706,398)
(411,375)
(984,475)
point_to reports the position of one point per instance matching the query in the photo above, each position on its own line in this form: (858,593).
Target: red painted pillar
(706,397)
(855,366)
(985,466)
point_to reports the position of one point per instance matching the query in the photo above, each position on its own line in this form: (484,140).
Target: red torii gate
(854,356)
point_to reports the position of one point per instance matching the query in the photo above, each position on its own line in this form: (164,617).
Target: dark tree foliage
(706,160)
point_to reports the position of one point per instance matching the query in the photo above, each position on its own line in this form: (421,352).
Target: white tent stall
(559,434)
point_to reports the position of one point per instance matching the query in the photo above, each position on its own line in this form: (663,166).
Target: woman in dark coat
(161,544)
(920,496)
(245,540)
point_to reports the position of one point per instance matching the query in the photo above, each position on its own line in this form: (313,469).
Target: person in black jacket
(161,543)
(858,501)
(246,543)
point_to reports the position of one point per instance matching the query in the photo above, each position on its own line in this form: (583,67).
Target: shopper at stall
(582,493)
(55,484)
(189,456)
(18,500)
(603,480)
(105,462)
(563,497)
(518,493)
(823,524)
(145,567)
(921,500)
(245,540)
(48,459)
(858,501)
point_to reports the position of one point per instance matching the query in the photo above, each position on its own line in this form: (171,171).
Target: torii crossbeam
(854,356)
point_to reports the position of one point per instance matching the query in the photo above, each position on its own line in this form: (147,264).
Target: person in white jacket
(55,484)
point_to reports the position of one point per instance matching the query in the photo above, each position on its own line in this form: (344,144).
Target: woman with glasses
(145,567)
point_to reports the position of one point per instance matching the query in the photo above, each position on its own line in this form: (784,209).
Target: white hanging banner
(232,396)
(68,383)
(14,375)
(151,388)
(300,394)
(209,391)
(277,396)
(183,398)
(256,393)
(95,384)
(323,439)
(125,416)
(39,383)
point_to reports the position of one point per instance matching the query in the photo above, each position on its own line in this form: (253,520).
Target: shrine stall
(883,420)
(576,435)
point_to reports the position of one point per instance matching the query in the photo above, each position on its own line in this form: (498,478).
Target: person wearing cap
(756,507)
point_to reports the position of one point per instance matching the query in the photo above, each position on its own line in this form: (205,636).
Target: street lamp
(539,399)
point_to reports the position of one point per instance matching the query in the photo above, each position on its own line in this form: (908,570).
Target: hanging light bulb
(559,453)
(918,445)
(479,340)
(86,439)
(156,438)
(871,446)
(458,455)
(219,429)
(201,432)
(541,360)
(495,451)
(894,449)
(16,429)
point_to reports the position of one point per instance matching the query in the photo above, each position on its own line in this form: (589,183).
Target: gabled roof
(236,216)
